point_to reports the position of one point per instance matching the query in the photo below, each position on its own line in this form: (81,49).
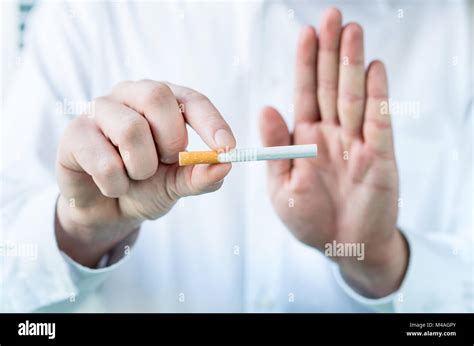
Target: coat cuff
(35,272)
(437,280)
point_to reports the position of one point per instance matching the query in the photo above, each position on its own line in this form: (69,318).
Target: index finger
(204,118)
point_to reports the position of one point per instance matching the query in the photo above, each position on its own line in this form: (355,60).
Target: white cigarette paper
(269,153)
(248,154)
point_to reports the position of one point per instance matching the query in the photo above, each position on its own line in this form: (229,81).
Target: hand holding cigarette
(117,166)
(248,154)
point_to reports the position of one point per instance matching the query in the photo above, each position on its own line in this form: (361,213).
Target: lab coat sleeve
(52,77)
(437,280)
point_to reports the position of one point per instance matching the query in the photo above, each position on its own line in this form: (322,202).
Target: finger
(204,118)
(377,122)
(156,102)
(351,93)
(306,104)
(328,64)
(274,132)
(129,131)
(87,150)
(201,179)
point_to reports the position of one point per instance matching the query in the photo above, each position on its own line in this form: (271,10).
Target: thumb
(199,179)
(274,132)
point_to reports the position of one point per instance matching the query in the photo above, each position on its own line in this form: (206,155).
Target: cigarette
(248,154)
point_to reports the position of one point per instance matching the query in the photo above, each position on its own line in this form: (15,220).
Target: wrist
(382,270)
(84,241)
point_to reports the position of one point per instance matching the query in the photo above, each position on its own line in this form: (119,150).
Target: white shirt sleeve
(52,71)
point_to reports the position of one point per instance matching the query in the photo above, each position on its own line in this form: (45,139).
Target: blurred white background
(13,15)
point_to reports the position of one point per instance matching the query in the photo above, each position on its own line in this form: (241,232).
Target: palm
(336,193)
(348,193)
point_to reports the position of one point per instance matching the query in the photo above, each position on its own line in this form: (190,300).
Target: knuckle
(120,85)
(80,124)
(113,192)
(110,169)
(378,123)
(351,99)
(156,92)
(327,85)
(132,129)
(77,123)
(144,169)
(195,97)
(380,98)
(307,89)
(99,105)
(176,143)
(147,172)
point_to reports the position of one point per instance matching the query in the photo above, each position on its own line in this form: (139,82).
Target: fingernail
(223,138)
(217,184)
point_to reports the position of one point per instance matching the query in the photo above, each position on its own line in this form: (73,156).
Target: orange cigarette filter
(197,157)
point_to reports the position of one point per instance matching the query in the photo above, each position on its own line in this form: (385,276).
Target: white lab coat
(228,251)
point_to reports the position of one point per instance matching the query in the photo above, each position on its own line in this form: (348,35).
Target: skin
(117,166)
(349,193)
